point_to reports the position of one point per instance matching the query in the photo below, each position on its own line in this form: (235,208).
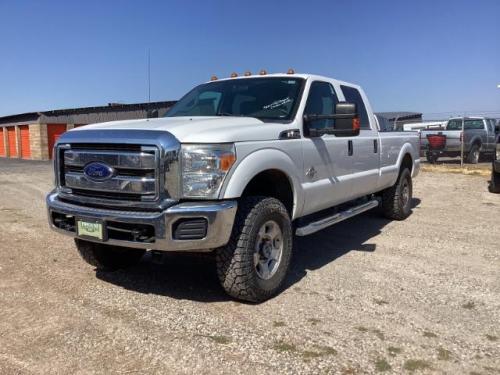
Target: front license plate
(90,229)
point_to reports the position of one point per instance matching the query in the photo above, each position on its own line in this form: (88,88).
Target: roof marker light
(248,73)
(234,75)
(213,78)
(290,71)
(263,72)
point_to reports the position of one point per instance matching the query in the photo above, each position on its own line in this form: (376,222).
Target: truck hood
(200,129)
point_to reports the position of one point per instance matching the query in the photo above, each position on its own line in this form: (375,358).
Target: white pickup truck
(237,167)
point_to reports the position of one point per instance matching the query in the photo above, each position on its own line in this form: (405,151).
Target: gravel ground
(364,296)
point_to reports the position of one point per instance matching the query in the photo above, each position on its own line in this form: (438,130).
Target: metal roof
(89,115)
(391,116)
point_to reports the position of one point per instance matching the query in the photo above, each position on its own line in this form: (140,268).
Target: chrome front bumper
(219,216)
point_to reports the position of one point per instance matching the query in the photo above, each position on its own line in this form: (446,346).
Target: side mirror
(346,122)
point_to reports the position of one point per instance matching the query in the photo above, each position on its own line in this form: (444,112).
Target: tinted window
(456,124)
(321,101)
(264,98)
(353,96)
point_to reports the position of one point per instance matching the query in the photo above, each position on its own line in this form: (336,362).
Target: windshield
(469,124)
(271,98)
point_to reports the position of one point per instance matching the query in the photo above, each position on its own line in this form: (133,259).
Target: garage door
(25,141)
(11,139)
(54,131)
(2,146)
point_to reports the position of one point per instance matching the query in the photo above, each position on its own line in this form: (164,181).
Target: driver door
(327,163)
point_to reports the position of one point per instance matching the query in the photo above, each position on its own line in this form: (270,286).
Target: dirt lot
(367,295)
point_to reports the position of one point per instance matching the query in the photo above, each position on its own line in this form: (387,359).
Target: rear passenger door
(366,146)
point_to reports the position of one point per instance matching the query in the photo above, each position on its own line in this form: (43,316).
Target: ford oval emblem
(98,171)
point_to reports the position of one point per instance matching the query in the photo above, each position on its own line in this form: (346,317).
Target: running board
(334,219)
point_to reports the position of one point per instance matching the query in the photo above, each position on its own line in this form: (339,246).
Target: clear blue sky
(428,56)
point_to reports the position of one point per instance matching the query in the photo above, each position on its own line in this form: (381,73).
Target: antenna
(149,76)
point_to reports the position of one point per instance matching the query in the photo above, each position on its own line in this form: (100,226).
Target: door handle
(350,148)
(375,146)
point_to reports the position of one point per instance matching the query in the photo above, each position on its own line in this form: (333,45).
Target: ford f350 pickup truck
(477,134)
(237,167)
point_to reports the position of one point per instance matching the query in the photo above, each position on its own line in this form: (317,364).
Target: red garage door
(54,131)
(11,139)
(25,141)
(2,146)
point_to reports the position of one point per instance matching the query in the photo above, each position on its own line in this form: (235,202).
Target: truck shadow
(193,277)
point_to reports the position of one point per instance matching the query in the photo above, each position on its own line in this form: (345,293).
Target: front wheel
(254,264)
(495,182)
(107,257)
(396,200)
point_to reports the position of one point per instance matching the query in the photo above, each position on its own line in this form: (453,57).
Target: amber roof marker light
(263,72)
(248,73)
(213,78)
(290,71)
(234,75)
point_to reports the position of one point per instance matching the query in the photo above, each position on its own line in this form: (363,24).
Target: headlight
(498,151)
(204,168)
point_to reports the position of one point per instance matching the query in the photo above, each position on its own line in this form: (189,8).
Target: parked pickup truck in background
(477,133)
(495,170)
(237,167)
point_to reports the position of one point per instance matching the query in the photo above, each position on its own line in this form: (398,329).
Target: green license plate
(90,229)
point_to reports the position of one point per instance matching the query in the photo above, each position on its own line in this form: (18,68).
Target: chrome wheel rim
(268,249)
(405,192)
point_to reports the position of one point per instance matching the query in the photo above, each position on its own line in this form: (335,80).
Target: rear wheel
(107,257)
(495,182)
(255,262)
(396,200)
(475,152)
(432,157)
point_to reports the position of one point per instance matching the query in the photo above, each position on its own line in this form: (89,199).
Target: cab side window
(352,95)
(321,101)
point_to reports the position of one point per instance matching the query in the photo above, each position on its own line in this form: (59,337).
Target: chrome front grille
(135,172)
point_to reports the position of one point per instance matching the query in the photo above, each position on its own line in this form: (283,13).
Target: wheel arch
(406,158)
(406,162)
(266,172)
(476,141)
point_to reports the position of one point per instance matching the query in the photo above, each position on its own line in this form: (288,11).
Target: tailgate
(453,140)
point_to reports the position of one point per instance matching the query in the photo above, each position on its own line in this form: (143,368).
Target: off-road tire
(494,183)
(107,257)
(474,154)
(235,261)
(393,204)
(431,157)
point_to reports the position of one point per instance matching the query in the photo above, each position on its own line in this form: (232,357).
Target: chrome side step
(334,219)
